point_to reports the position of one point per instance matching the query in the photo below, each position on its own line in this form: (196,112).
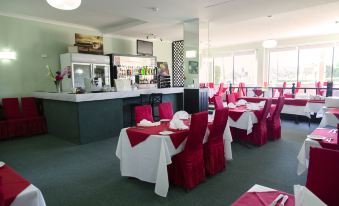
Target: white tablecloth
(309,109)
(148,160)
(245,121)
(31,196)
(329,119)
(304,154)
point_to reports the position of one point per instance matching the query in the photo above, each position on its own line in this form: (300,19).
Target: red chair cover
(273,122)
(258,136)
(143,112)
(166,110)
(211,85)
(242,90)
(220,92)
(36,124)
(218,103)
(188,168)
(2,199)
(322,177)
(319,91)
(214,152)
(230,98)
(16,125)
(3,130)
(11,108)
(297,88)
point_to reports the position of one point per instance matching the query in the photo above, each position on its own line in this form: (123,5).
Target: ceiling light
(64,4)
(269,44)
(7,55)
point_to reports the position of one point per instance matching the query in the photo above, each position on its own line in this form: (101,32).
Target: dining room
(209,102)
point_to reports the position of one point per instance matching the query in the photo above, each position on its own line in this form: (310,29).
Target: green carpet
(81,175)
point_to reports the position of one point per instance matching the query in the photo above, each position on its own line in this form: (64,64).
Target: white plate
(165,120)
(2,164)
(316,137)
(166,132)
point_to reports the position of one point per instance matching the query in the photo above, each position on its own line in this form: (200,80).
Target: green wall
(30,39)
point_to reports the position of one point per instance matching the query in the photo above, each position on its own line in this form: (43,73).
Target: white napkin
(241,102)
(253,106)
(231,105)
(177,124)
(304,197)
(146,123)
(262,103)
(181,115)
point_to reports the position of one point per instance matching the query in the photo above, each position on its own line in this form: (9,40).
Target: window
(336,66)
(223,69)
(245,68)
(206,72)
(315,64)
(283,66)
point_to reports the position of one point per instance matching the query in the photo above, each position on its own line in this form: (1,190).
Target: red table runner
(262,199)
(12,184)
(326,132)
(235,113)
(138,134)
(288,101)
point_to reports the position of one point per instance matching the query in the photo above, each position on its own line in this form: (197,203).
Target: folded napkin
(146,123)
(303,197)
(181,115)
(262,103)
(253,106)
(241,102)
(231,105)
(177,124)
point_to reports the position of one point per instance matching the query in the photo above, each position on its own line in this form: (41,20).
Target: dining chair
(156,99)
(166,110)
(16,124)
(188,168)
(3,130)
(144,99)
(220,92)
(323,174)
(274,122)
(214,152)
(143,112)
(218,103)
(36,123)
(242,90)
(230,98)
(258,136)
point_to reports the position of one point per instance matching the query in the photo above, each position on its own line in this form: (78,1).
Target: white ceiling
(231,21)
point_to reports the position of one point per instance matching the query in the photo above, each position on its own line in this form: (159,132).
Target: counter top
(103,95)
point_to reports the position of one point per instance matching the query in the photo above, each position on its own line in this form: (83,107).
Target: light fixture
(7,55)
(64,4)
(190,54)
(270,43)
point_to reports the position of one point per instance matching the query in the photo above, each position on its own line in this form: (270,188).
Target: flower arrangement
(58,76)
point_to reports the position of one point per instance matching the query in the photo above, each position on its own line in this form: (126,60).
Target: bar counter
(84,118)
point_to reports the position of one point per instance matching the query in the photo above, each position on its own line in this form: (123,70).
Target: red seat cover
(273,122)
(322,177)
(230,98)
(166,110)
(214,152)
(218,103)
(143,112)
(188,168)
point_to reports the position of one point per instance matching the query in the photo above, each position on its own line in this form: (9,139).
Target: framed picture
(89,44)
(163,68)
(193,67)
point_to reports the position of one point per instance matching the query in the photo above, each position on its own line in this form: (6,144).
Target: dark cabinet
(195,100)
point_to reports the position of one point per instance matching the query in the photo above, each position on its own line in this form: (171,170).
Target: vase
(58,86)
